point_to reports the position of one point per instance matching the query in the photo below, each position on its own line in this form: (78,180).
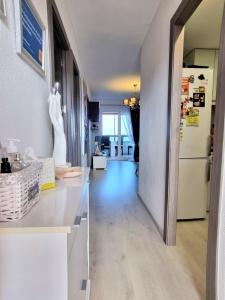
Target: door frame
(52,9)
(73,111)
(183,13)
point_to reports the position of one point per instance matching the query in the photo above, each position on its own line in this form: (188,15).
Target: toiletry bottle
(3,152)
(17,164)
(12,149)
(5,166)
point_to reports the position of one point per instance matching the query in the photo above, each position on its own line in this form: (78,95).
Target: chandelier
(132,102)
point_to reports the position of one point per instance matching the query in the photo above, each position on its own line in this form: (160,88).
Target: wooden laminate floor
(128,259)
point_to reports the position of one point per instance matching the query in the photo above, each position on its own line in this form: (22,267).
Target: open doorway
(194,143)
(66,73)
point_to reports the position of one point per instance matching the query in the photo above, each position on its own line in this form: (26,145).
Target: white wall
(153,127)
(23,92)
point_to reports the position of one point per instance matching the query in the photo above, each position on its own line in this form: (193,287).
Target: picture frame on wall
(2,8)
(30,35)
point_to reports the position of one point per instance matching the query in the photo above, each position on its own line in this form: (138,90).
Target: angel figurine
(55,112)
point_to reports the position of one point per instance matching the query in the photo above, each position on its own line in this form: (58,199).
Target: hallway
(128,260)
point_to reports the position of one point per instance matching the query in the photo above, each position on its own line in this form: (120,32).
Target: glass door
(115,140)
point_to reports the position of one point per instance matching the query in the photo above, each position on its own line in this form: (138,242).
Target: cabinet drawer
(72,235)
(77,263)
(85,199)
(85,291)
(83,212)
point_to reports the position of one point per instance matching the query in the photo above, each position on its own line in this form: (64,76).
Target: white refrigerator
(196,102)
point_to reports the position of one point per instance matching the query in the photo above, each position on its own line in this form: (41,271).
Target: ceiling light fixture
(132,102)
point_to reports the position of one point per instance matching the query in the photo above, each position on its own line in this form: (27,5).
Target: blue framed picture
(30,35)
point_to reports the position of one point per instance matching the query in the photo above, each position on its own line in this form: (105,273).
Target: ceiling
(203,28)
(109,36)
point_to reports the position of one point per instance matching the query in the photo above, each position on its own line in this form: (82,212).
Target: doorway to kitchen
(188,111)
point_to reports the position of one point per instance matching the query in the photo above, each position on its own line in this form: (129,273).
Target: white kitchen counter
(55,211)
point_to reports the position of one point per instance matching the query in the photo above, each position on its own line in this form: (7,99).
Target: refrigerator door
(192,189)
(195,139)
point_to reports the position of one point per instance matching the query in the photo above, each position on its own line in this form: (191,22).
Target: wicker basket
(19,191)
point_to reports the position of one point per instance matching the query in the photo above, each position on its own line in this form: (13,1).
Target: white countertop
(55,211)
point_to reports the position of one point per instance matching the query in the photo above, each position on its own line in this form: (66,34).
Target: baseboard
(151,216)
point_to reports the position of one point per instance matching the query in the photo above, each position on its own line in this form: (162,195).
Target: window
(123,129)
(110,124)
(116,139)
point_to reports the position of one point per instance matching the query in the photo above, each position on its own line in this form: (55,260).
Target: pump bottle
(12,150)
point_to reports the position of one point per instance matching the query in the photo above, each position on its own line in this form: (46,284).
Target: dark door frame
(53,10)
(183,13)
(73,107)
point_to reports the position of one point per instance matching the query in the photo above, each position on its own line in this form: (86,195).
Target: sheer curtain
(126,119)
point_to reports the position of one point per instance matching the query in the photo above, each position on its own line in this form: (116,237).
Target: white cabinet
(78,260)
(99,162)
(48,259)
(205,57)
(77,281)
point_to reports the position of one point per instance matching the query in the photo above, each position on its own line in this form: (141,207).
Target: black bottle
(5,166)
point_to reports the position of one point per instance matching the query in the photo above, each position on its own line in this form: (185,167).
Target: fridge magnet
(196,90)
(201,77)
(199,99)
(181,130)
(185,105)
(188,102)
(183,110)
(201,89)
(191,79)
(192,118)
(2,8)
(185,86)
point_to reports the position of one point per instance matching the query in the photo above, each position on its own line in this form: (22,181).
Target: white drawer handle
(84,285)
(84,216)
(77,221)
